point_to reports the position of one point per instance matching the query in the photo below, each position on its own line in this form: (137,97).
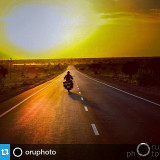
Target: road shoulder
(150,93)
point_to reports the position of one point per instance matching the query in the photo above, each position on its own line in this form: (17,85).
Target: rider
(69,78)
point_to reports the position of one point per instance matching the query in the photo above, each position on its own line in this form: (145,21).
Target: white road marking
(82,98)
(76,83)
(122,91)
(86,109)
(3,114)
(95,129)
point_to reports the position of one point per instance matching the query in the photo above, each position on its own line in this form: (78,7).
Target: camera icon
(17,152)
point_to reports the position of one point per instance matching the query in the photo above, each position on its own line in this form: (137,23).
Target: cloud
(118,15)
(155,12)
(152,16)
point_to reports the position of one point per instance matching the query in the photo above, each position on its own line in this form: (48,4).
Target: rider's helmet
(68,72)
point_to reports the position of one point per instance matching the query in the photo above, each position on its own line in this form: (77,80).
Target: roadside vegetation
(135,71)
(18,78)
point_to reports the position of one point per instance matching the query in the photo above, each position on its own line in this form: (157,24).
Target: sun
(36,28)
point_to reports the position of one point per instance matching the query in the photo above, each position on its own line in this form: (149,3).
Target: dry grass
(23,77)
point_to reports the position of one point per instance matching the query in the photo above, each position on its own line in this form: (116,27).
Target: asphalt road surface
(93,113)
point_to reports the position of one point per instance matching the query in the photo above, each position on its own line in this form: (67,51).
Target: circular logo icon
(138,148)
(17,152)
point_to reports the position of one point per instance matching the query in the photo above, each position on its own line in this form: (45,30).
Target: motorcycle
(68,85)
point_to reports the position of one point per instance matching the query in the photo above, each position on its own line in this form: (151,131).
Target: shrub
(95,72)
(82,68)
(154,65)
(3,71)
(94,66)
(28,82)
(130,68)
(146,77)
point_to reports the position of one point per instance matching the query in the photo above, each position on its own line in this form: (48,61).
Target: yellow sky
(77,29)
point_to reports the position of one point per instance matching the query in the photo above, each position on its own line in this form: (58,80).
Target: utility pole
(10,67)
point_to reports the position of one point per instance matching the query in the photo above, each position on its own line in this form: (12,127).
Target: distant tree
(94,66)
(58,66)
(130,68)
(3,71)
(146,77)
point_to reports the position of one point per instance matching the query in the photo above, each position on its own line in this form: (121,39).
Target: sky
(79,28)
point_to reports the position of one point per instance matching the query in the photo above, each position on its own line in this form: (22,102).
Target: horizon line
(6,59)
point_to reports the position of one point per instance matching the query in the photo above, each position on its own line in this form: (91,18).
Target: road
(93,113)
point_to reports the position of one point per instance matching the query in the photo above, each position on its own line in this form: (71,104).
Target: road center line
(86,109)
(3,114)
(121,90)
(76,83)
(95,129)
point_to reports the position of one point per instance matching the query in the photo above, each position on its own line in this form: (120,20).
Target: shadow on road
(91,104)
(100,107)
(86,102)
(74,96)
